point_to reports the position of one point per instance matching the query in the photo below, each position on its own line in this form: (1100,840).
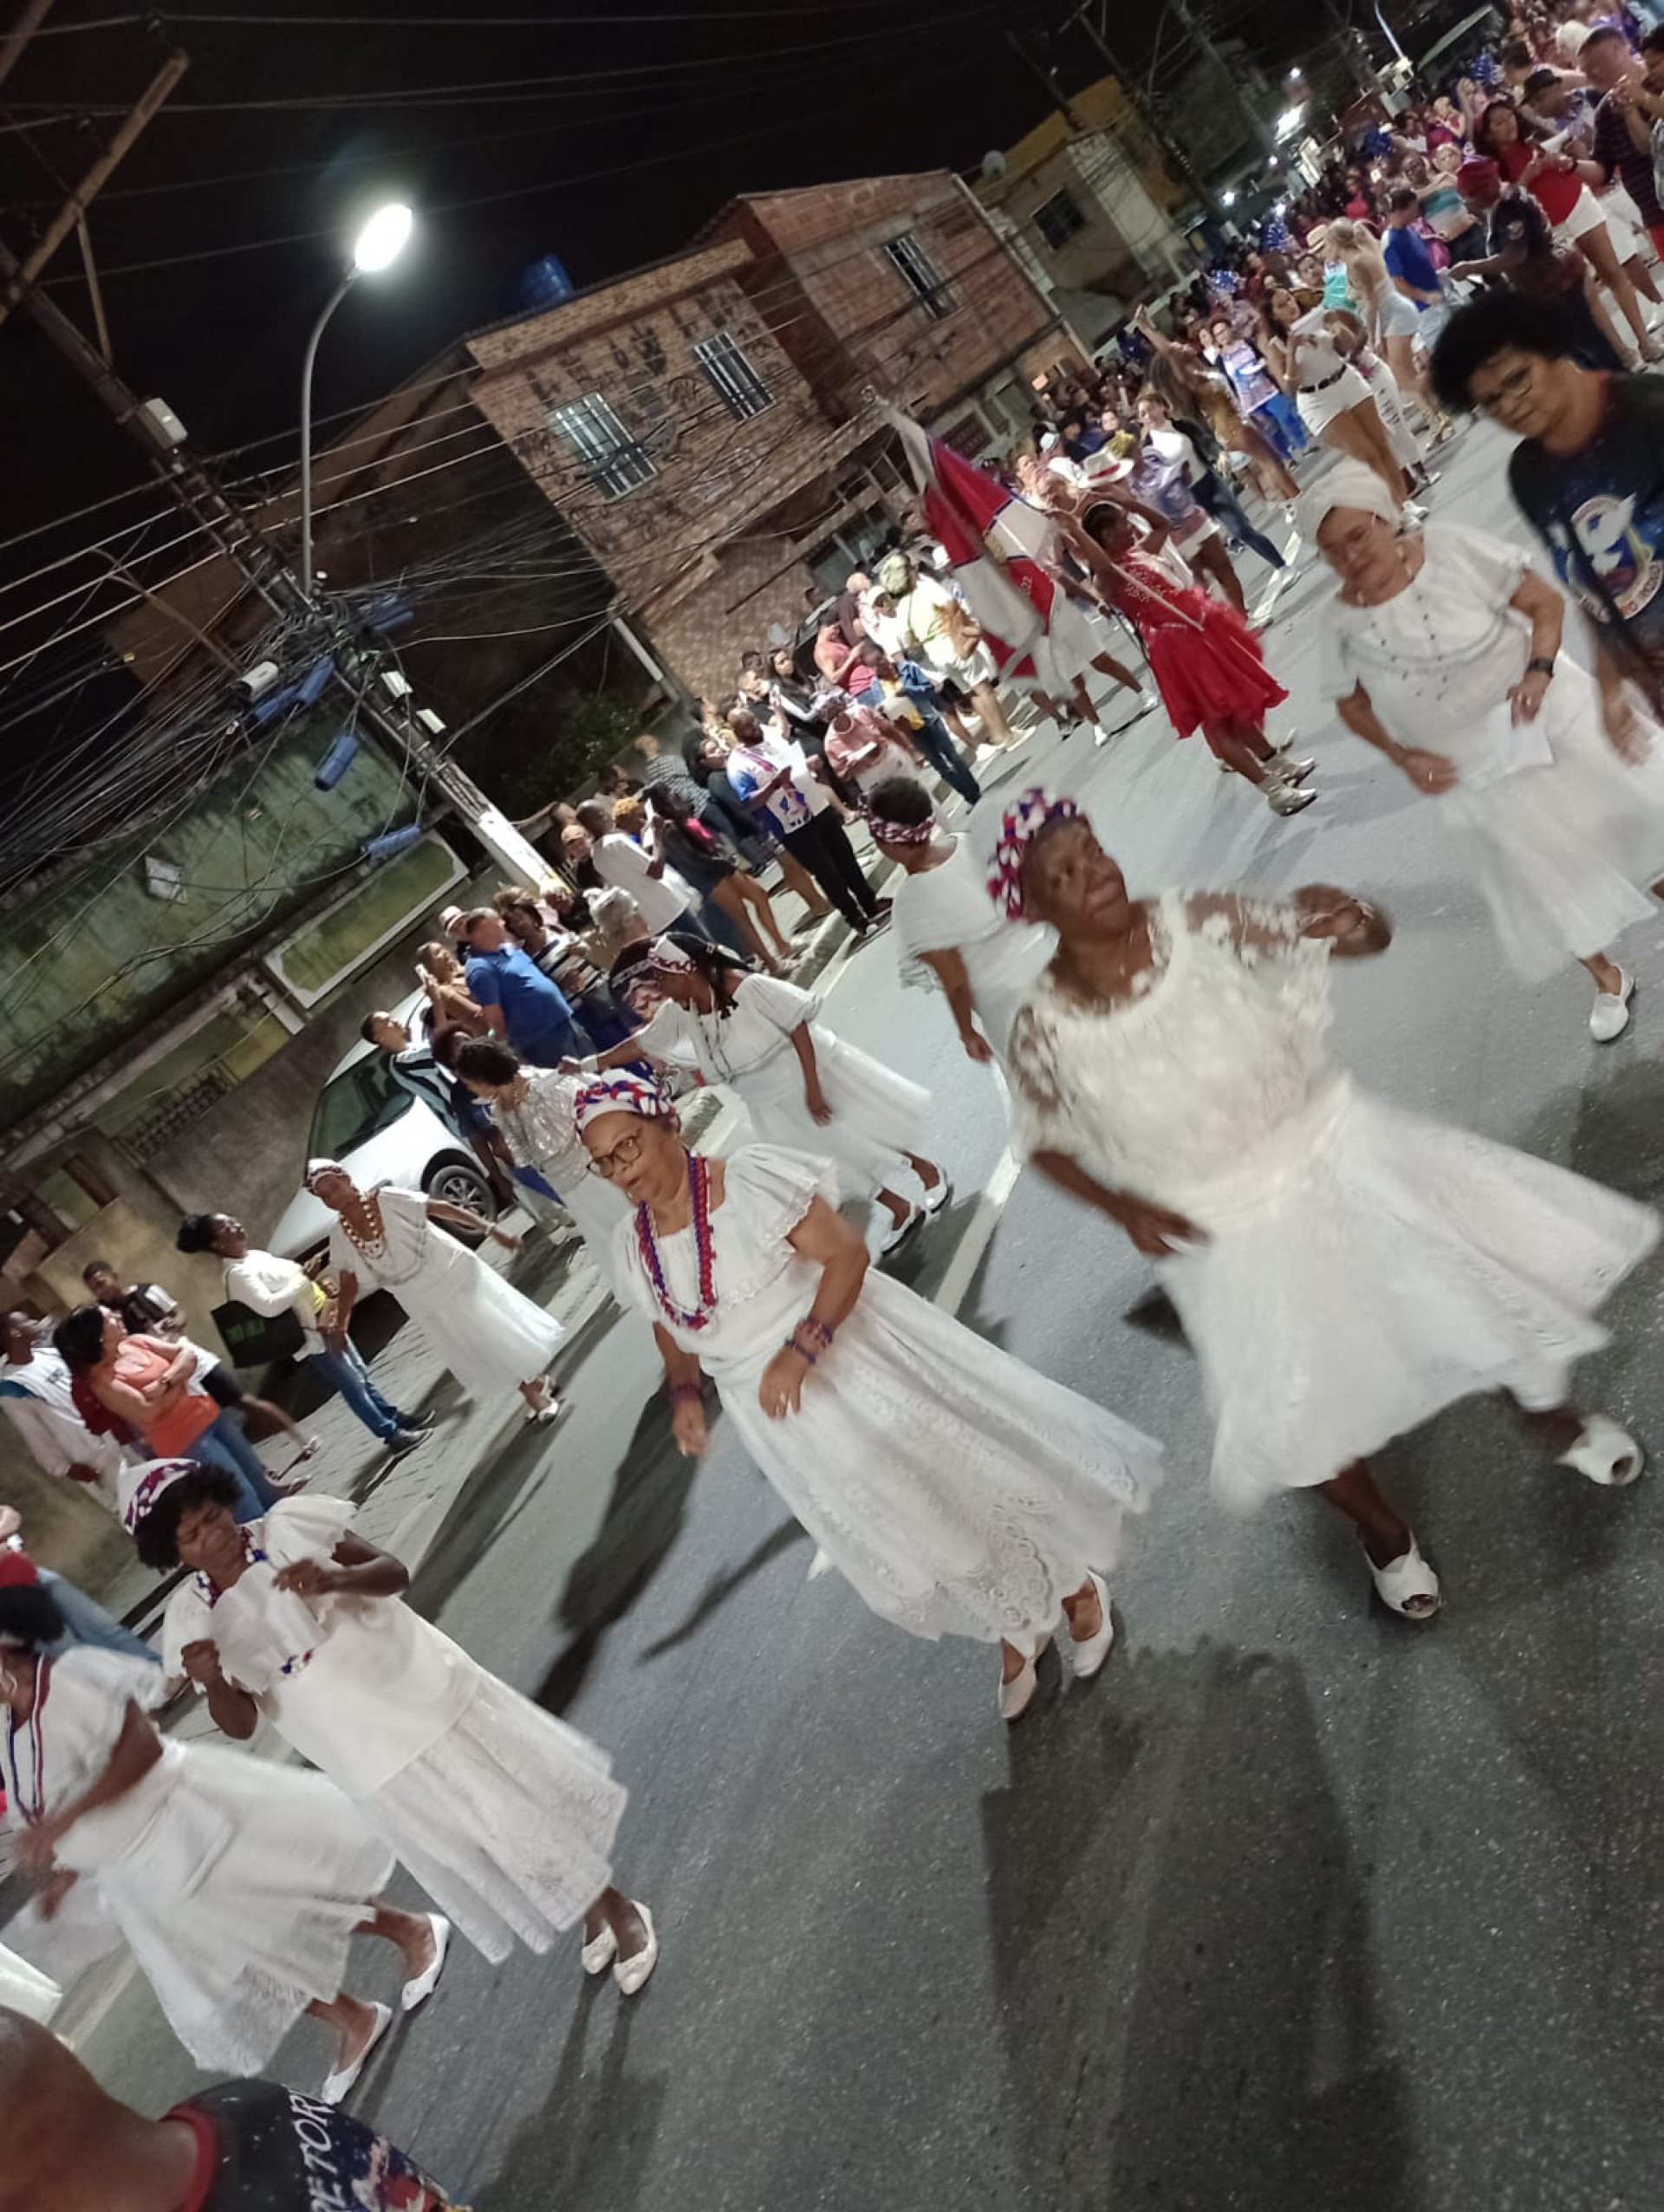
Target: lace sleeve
(1256,928)
(1043,1118)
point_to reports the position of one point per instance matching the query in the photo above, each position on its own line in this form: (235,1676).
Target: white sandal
(1016,1695)
(598,1955)
(1407,1584)
(1090,1652)
(340,2084)
(1605,1453)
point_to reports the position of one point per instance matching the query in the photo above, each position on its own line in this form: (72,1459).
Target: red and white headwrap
(622,1093)
(1020,826)
(143,1485)
(661,958)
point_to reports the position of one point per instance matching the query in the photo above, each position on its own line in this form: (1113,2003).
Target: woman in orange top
(146,1383)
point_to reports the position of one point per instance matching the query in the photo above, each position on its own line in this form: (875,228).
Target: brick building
(710,427)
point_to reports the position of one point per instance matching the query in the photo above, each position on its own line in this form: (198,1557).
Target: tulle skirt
(507,1821)
(1212,675)
(1398,1267)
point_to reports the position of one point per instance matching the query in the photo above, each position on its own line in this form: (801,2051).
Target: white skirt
(1403,1266)
(877,1115)
(238,1886)
(488,1334)
(507,1821)
(1407,448)
(960,1493)
(1318,409)
(1562,853)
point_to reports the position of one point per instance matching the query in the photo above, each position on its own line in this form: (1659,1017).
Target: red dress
(1207,667)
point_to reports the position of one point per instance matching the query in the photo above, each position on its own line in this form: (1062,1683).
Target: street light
(377,245)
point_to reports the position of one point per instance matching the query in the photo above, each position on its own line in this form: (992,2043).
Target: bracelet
(817,1329)
(1542,665)
(803,1351)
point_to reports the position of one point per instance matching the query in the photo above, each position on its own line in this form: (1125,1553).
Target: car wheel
(458,1183)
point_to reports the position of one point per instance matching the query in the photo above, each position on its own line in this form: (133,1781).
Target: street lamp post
(377,245)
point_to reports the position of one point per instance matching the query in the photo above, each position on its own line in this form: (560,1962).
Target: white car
(379,1134)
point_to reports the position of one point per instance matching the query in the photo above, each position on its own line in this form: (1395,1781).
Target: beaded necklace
(211,1593)
(29,1794)
(699,1182)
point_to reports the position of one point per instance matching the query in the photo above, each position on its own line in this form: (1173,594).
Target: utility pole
(1202,37)
(1175,152)
(193,489)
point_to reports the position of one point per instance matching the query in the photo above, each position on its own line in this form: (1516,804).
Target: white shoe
(1090,1652)
(1287,799)
(632,1973)
(1414,513)
(900,1230)
(1101,737)
(599,1955)
(1609,1015)
(1606,1453)
(938,1193)
(1016,1695)
(1297,771)
(420,1986)
(339,2086)
(1407,1584)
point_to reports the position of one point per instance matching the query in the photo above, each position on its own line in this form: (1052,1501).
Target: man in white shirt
(267,1283)
(36,1398)
(665,899)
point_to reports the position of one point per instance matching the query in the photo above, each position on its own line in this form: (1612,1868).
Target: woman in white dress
(1343,1270)
(238,1885)
(505,1815)
(942,919)
(1443,652)
(958,1492)
(532,1106)
(490,1338)
(1333,400)
(801,1085)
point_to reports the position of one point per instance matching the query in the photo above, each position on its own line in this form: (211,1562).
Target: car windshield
(355,1106)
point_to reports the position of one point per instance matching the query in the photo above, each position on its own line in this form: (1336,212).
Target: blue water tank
(335,763)
(546,284)
(392,842)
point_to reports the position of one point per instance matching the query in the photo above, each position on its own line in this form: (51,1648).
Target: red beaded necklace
(699,1182)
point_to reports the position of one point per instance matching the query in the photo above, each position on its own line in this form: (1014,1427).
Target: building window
(737,383)
(920,276)
(1059,219)
(613,460)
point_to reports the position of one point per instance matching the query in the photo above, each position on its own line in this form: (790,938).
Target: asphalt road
(1297,1907)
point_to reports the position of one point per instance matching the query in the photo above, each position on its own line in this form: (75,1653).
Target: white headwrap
(141,1485)
(315,1168)
(1349,484)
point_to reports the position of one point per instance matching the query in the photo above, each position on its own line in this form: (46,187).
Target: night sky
(682,105)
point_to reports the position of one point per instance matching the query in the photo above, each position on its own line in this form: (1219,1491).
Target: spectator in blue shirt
(517,999)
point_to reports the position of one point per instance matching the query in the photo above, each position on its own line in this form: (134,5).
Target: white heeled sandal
(1016,1695)
(1606,1453)
(633,1973)
(338,2086)
(1088,1653)
(1407,1584)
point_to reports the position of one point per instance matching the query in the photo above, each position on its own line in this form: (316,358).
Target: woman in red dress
(1206,664)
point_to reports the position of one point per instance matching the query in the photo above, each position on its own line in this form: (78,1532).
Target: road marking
(979,1232)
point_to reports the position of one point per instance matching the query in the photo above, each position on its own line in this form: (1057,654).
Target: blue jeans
(1217,497)
(1278,420)
(225,1447)
(345,1371)
(87,1622)
(933,740)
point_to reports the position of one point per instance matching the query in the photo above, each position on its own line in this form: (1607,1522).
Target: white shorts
(1587,215)
(1318,409)
(1623,221)
(1399,318)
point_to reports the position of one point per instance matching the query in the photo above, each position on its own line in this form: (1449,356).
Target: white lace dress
(1365,1267)
(237,1884)
(504,1814)
(488,1335)
(877,1115)
(543,1134)
(1560,834)
(960,1493)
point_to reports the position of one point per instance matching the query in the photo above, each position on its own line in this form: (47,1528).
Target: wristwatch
(1542,665)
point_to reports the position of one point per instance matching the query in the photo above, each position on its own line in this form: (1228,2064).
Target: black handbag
(254,1339)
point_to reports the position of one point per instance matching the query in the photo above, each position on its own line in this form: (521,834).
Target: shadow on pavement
(1187,1994)
(591,2141)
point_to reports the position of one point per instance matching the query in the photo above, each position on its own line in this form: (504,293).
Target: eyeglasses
(624,1154)
(1513,386)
